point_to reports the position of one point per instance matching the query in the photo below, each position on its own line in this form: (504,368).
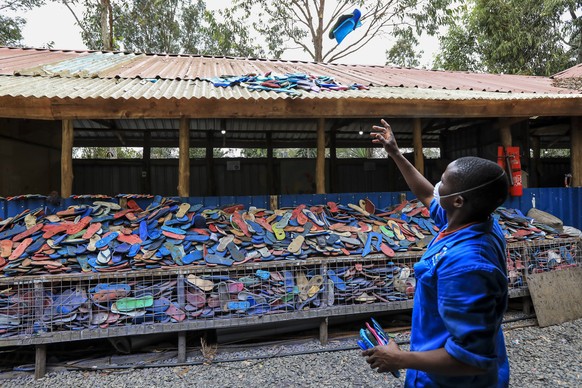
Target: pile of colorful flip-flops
(104,237)
(291,83)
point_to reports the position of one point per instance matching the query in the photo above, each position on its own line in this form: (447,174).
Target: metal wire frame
(61,308)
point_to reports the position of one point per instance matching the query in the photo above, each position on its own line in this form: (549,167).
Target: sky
(54,23)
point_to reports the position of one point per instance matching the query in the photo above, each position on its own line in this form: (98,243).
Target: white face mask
(438,197)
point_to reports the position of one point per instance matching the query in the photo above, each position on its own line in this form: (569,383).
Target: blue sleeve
(468,307)
(438,214)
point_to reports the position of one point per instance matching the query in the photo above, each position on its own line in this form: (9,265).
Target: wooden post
(181,347)
(332,161)
(210,182)
(576,150)
(535,177)
(184,159)
(67,159)
(146,163)
(40,362)
(417,144)
(270,172)
(320,162)
(505,133)
(274,202)
(323,330)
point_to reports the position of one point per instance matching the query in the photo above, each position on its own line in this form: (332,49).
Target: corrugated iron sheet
(125,66)
(90,88)
(573,72)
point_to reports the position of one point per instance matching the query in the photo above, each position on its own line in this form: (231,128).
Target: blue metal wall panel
(564,203)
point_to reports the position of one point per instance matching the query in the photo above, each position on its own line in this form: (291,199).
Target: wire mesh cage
(59,308)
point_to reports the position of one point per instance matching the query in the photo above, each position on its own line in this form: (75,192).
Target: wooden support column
(146,171)
(576,150)
(181,347)
(270,165)
(184,158)
(210,182)
(320,162)
(332,161)
(323,330)
(535,176)
(505,133)
(40,362)
(417,144)
(67,159)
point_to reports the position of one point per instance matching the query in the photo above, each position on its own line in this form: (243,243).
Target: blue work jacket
(460,299)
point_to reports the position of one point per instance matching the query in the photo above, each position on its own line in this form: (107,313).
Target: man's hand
(384,135)
(385,358)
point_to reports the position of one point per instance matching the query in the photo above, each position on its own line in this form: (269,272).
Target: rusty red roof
(120,65)
(573,72)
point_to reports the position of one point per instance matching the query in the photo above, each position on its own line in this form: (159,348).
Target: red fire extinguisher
(508,158)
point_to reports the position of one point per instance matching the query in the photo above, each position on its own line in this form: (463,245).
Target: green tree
(106,153)
(305,24)
(162,26)
(530,37)
(11,26)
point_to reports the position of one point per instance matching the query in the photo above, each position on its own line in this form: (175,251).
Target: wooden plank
(417,144)
(67,159)
(576,151)
(556,295)
(184,158)
(362,107)
(320,162)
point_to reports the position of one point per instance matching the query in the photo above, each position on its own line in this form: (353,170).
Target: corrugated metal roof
(92,88)
(129,67)
(573,72)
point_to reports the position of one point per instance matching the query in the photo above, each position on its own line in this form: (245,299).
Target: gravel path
(539,357)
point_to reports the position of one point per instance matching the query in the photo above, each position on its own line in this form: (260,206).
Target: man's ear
(459,201)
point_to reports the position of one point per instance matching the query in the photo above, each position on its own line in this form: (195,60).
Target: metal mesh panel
(536,256)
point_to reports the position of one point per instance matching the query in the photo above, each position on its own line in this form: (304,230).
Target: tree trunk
(106,25)
(318,38)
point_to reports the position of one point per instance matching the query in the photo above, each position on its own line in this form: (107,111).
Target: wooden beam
(320,162)
(362,107)
(417,144)
(184,158)
(67,159)
(576,151)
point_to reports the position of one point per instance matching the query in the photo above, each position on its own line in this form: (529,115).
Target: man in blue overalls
(461,281)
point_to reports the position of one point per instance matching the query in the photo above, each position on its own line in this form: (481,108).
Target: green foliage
(167,26)
(404,53)
(106,153)
(529,37)
(10,24)
(305,25)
